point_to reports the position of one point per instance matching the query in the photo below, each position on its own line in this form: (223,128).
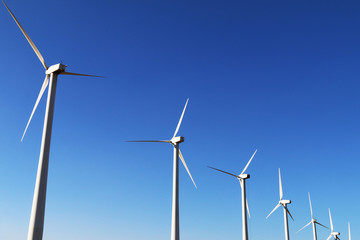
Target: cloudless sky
(278,76)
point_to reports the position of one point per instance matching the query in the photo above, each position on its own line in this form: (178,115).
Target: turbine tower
(332,234)
(284,203)
(313,221)
(36,225)
(242,177)
(175,142)
(349,231)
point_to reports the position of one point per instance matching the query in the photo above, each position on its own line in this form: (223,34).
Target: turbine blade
(321,225)
(277,206)
(223,171)
(329,237)
(331,223)
(165,141)
(28,38)
(312,216)
(181,118)
(287,210)
(349,231)
(280,186)
(304,227)
(43,87)
(247,165)
(79,74)
(247,207)
(187,169)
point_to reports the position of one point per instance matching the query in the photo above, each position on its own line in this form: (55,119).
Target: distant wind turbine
(242,177)
(332,234)
(36,225)
(313,221)
(175,141)
(284,203)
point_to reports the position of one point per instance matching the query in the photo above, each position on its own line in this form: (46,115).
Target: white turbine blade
(28,38)
(312,216)
(349,231)
(329,237)
(304,227)
(165,141)
(331,223)
(287,210)
(43,87)
(322,225)
(79,74)
(182,115)
(280,186)
(247,165)
(187,169)
(247,207)
(277,206)
(224,172)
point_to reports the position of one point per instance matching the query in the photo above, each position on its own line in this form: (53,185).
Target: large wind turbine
(175,141)
(284,203)
(242,177)
(313,221)
(332,234)
(36,225)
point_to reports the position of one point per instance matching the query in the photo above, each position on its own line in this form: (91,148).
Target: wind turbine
(332,234)
(175,141)
(284,203)
(313,221)
(36,225)
(242,177)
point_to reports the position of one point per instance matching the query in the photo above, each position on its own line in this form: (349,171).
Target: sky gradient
(278,76)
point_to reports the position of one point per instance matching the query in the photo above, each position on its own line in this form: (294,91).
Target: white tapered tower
(175,142)
(283,203)
(36,225)
(349,231)
(242,177)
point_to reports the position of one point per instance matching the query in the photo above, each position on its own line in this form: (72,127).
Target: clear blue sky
(279,76)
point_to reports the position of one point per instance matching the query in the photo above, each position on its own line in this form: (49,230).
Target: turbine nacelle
(56,68)
(285,202)
(335,233)
(244,176)
(176,140)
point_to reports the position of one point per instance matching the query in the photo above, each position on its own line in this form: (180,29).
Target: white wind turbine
(175,141)
(332,234)
(284,203)
(242,177)
(36,225)
(313,221)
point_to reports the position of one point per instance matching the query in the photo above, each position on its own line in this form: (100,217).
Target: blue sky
(278,76)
